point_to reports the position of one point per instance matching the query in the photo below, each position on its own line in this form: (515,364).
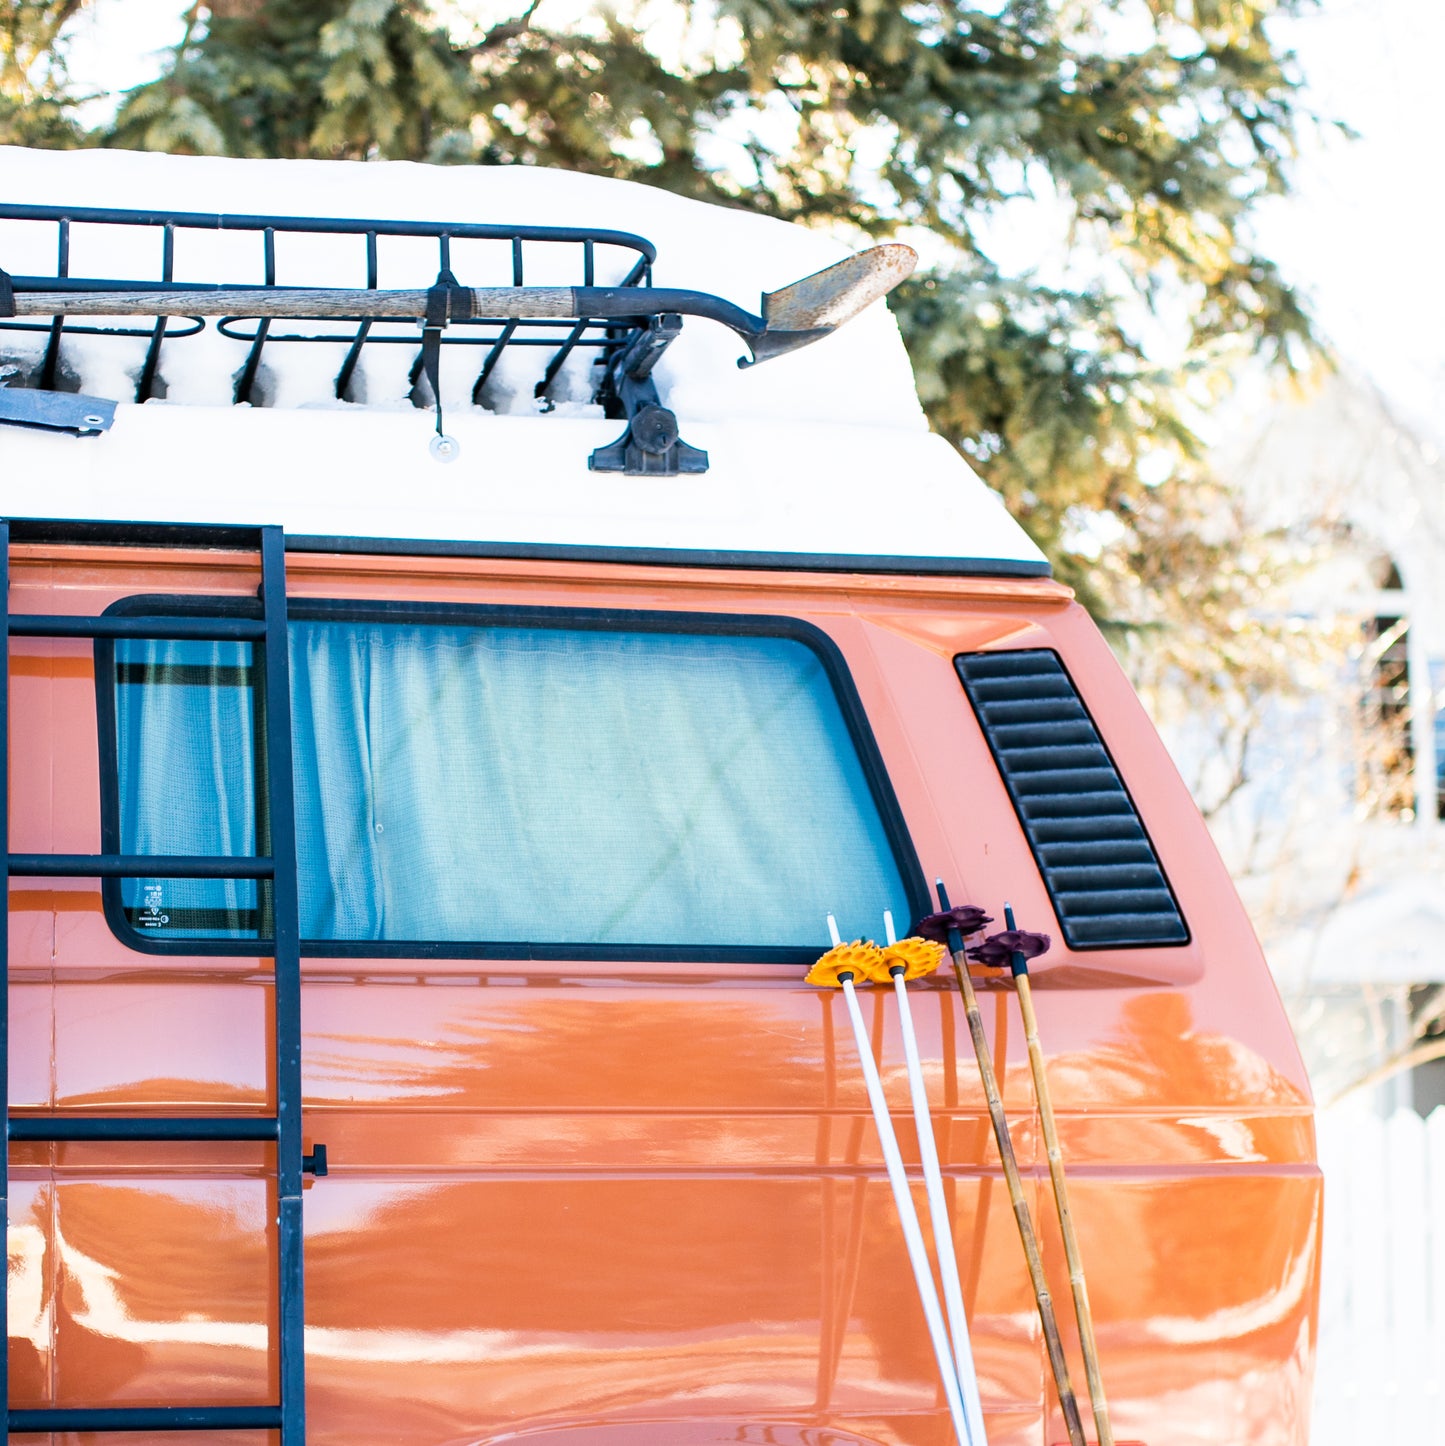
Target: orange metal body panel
(581,1204)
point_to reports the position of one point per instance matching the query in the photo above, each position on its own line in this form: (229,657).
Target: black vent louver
(1098,865)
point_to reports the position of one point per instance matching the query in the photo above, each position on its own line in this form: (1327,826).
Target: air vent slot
(1098,865)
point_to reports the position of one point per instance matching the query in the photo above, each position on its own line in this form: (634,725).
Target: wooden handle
(1068,1403)
(513,303)
(1080,1291)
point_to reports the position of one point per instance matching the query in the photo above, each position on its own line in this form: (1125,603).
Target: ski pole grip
(1019,961)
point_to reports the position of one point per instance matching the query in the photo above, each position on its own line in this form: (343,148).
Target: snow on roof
(825,450)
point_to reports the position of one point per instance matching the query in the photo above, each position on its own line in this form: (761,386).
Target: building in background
(1325,796)
(1336,837)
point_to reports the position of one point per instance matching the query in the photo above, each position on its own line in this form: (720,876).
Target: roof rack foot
(650,447)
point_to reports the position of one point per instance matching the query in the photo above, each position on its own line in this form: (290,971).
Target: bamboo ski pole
(943,1250)
(1068,1403)
(1020,966)
(836,968)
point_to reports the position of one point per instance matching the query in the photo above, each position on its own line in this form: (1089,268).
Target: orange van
(414,868)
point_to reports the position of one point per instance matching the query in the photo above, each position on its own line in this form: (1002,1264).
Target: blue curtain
(531,784)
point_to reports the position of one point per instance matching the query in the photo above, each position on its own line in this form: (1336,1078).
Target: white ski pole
(902,1195)
(937,1204)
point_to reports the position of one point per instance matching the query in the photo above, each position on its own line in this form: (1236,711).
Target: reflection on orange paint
(585,1204)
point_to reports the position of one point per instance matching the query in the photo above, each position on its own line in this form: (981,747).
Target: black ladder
(268,632)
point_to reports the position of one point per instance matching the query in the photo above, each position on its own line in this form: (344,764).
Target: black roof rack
(624,322)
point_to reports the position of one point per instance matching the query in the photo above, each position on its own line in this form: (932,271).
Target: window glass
(185,754)
(495,784)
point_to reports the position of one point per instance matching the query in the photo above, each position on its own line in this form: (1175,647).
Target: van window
(673,786)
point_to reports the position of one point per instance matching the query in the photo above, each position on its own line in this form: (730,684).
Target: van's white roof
(824,452)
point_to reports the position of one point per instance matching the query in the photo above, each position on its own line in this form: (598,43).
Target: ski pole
(839,967)
(1019,945)
(912,960)
(947,922)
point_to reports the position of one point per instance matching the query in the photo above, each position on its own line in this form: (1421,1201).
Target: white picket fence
(1381,1367)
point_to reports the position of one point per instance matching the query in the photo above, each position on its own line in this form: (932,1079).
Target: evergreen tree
(35,97)
(1153,125)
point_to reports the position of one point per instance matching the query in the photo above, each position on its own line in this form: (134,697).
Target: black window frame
(823,646)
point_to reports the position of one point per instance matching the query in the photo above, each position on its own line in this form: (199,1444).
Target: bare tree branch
(499,35)
(1422,1054)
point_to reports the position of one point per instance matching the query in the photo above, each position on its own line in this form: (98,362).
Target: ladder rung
(140,866)
(147,1418)
(122,625)
(141,1127)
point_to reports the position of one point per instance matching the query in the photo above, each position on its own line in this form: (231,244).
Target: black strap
(446,301)
(7,295)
